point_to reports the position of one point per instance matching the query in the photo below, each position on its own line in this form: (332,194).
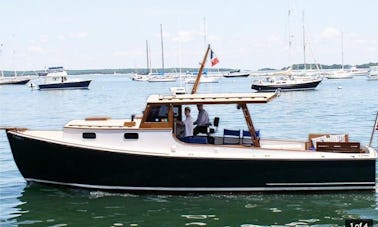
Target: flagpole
(375,128)
(196,83)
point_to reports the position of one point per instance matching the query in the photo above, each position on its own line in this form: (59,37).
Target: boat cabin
(56,75)
(164,111)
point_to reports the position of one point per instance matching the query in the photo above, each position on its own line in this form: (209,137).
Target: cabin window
(158,114)
(131,135)
(89,135)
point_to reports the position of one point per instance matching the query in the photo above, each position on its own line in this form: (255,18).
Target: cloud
(43,38)
(77,35)
(330,32)
(119,53)
(186,36)
(61,37)
(35,49)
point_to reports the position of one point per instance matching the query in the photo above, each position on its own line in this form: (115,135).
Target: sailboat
(144,76)
(13,80)
(288,81)
(161,77)
(341,74)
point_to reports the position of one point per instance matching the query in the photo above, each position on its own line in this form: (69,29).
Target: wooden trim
(196,83)
(165,124)
(343,147)
(15,129)
(315,135)
(251,128)
(155,125)
(129,123)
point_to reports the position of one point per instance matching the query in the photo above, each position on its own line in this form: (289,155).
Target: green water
(343,106)
(42,205)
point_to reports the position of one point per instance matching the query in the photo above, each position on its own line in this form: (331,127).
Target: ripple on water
(195,224)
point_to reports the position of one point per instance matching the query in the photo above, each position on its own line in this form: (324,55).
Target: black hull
(70,85)
(60,164)
(19,82)
(241,75)
(286,87)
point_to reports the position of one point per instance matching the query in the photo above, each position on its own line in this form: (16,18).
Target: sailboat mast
(304,43)
(289,34)
(148,60)
(162,47)
(204,33)
(342,51)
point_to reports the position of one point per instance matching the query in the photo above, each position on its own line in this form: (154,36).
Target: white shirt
(188,122)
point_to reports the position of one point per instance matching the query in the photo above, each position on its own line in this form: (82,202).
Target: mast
(304,43)
(289,34)
(204,32)
(1,46)
(162,47)
(342,51)
(195,86)
(148,60)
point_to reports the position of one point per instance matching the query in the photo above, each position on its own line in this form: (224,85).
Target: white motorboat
(204,79)
(342,74)
(236,73)
(373,73)
(56,78)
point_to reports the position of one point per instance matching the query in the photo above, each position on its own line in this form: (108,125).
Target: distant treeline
(314,66)
(117,71)
(183,70)
(138,70)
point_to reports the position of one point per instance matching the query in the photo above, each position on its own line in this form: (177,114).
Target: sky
(244,34)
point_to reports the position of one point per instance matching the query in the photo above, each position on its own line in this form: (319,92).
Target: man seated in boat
(202,121)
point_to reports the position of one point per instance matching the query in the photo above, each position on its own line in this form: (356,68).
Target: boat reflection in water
(44,206)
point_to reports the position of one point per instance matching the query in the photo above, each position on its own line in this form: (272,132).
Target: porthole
(131,136)
(89,135)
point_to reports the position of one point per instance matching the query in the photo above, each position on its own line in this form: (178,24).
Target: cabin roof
(221,98)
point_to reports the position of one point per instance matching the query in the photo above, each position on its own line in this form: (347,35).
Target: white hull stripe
(220,189)
(324,183)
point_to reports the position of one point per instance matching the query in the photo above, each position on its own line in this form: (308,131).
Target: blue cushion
(231,132)
(246,133)
(195,139)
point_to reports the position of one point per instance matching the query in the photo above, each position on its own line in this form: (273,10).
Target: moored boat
(236,73)
(146,153)
(13,80)
(286,83)
(16,80)
(56,78)
(340,75)
(373,73)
